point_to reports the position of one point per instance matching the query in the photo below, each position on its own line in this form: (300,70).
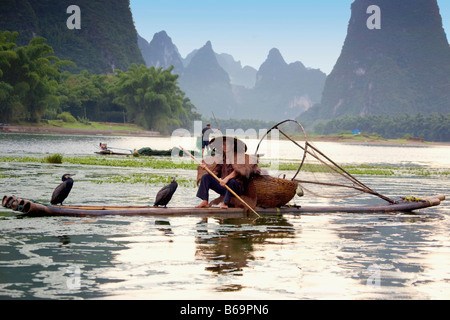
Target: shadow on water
(227,245)
(38,265)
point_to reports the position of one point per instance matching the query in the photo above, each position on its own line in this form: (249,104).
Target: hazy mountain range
(220,84)
(401,67)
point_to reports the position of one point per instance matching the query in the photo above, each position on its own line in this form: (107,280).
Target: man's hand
(223,182)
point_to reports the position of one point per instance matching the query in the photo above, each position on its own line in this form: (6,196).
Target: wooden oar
(229,189)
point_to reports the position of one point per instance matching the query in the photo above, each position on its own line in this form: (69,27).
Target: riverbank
(115,129)
(103,129)
(376,140)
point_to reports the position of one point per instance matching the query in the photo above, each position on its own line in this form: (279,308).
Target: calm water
(329,256)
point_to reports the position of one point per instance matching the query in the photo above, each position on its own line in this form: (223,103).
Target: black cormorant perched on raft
(165,194)
(62,191)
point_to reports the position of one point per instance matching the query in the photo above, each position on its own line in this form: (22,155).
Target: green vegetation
(106,40)
(167,163)
(56,158)
(66,117)
(92,125)
(28,78)
(152,179)
(433,127)
(355,170)
(152,98)
(33,87)
(132,162)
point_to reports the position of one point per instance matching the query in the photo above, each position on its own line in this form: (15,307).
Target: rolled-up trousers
(208,182)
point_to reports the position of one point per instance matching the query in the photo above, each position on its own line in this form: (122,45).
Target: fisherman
(236,170)
(206,132)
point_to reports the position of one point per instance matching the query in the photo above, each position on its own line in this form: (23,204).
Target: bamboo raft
(33,209)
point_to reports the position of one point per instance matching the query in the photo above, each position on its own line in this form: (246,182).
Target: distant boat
(107,150)
(146,151)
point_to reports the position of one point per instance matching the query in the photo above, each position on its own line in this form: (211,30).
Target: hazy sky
(310,31)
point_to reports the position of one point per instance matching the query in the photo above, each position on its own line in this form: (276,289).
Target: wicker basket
(274,192)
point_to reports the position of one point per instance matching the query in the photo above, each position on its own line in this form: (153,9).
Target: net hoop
(334,168)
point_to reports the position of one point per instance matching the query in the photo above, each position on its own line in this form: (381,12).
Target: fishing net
(315,172)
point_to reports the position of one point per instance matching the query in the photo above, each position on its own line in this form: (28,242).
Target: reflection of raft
(30,208)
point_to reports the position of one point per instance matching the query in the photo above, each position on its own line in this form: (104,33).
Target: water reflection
(227,245)
(40,264)
(311,257)
(398,248)
(307,257)
(164,227)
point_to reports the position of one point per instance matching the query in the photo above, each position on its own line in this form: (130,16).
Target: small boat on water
(105,150)
(34,209)
(146,151)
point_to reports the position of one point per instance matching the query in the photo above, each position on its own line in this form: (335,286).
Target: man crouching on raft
(236,170)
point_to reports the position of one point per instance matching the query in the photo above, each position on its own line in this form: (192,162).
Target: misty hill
(207,84)
(282,90)
(107,39)
(161,52)
(240,76)
(404,67)
(218,83)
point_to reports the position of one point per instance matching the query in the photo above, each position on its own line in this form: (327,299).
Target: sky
(310,31)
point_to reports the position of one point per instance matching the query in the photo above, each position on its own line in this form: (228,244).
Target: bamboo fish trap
(274,192)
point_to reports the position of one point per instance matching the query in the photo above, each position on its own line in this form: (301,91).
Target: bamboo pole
(228,188)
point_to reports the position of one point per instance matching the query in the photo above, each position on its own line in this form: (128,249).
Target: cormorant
(62,191)
(165,194)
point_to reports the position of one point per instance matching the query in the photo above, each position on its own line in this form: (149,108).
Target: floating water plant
(56,158)
(146,178)
(167,163)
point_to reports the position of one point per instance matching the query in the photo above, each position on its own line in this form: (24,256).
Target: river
(313,256)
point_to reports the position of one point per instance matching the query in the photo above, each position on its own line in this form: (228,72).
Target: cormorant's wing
(162,194)
(61,192)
